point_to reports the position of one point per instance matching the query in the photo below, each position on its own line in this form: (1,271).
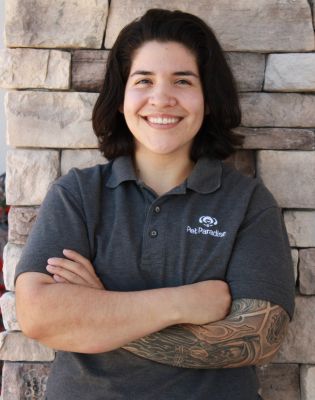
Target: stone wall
(53,68)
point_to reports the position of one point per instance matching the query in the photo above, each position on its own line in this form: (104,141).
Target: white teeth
(162,121)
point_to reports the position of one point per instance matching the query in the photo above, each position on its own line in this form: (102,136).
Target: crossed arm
(249,334)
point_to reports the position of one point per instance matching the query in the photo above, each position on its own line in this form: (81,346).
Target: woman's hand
(74,269)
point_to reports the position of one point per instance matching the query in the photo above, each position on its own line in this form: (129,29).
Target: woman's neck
(162,173)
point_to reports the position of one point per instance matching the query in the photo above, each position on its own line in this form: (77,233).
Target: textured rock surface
(80,159)
(29,68)
(300,227)
(11,255)
(290,73)
(299,343)
(29,174)
(243,161)
(295,259)
(88,69)
(289,175)
(248,70)
(50,119)
(43,23)
(14,346)
(24,381)
(308,382)
(21,220)
(251,27)
(307,271)
(7,302)
(279,382)
(277,138)
(278,110)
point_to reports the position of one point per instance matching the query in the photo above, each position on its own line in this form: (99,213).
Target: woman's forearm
(78,318)
(250,335)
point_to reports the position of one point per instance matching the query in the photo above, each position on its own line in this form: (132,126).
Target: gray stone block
(279,381)
(24,381)
(307,382)
(30,68)
(248,70)
(240,25)
(300,227)
(88,70)
(21,220)
(299,343)
(289,175)
(290,73)
(63,24)
(29,175)
(307,271)
(277,138)
(7,302)
(80,159)
(289,110)
(14,346)
(50,119)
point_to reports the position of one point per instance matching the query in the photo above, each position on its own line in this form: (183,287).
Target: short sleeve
(261,265)
(60,224)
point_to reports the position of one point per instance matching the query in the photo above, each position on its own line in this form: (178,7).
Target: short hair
(214,138)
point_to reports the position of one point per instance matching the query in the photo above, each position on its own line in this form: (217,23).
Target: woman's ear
(121,108)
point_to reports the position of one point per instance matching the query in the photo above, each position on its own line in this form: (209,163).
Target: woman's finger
(77,257)
(74,267)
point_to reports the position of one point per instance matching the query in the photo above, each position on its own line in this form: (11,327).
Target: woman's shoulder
(84,180)
(246,186)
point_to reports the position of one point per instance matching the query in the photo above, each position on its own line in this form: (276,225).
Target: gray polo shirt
(218,224)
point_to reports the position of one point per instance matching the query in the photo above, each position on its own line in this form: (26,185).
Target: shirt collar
(204,178)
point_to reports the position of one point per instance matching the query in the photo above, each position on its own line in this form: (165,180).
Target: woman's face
(164,103)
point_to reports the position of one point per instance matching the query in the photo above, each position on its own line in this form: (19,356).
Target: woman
(176,279)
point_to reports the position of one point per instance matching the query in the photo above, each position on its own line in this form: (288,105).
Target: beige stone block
(29,175)
(63,24)
(307,271)
(88,69)
(279,381)
(80,159)
(243,161)
(11,256)
(289,175)
(278,110)
(21,220)
(50,119)
(241,25)
(295,259)
(248,70)
(7,302)
(14,346)
(300,226)
(277,138)
(24,381)
(299,343)
(307,382)
(30,68)
(290,73)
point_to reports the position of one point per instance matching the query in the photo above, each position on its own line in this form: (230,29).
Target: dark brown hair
(215,138)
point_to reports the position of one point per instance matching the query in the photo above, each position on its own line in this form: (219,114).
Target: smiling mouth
(162,121)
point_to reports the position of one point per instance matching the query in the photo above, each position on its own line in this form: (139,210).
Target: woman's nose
(162,97)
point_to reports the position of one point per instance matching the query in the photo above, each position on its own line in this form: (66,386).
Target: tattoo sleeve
(251,334)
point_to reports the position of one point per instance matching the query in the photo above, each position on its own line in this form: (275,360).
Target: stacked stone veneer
(53,68)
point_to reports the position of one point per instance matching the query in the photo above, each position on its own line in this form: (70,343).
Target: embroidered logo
(208,222)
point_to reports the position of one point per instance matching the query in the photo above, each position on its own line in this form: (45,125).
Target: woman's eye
(143,82)
(183,82)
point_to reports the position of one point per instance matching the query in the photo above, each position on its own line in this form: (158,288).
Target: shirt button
(153,233)
(157,209)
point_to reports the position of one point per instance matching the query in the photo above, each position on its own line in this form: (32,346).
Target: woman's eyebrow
(176,73)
